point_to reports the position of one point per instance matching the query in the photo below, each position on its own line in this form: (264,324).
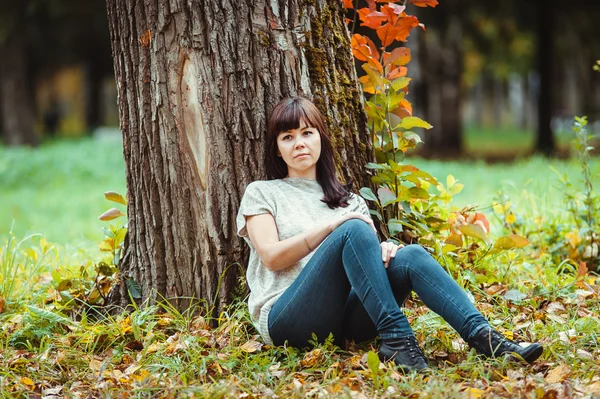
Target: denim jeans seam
(367,275)
(324,250)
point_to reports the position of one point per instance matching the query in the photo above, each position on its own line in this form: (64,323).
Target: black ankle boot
(490,343)
(405,352)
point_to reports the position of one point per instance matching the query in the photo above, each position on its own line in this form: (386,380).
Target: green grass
(509,142)
(57,191)
(483,181)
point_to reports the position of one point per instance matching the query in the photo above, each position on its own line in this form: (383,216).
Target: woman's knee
(357,226)
(413,255)
(413,251)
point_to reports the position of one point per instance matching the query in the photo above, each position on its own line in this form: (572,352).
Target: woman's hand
(388,251)
(352,215)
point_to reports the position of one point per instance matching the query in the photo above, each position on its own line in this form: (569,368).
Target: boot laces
(413,349)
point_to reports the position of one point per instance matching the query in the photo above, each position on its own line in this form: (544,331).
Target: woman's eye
(307,132)
(287,137)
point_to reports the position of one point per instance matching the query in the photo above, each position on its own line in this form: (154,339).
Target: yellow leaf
(105,246)
(511,241)
(498,208)
(454,239)
(510,218)
(474,392)
(473,230)
(95,365)
(115,197)
(508,335)
(154,347)
(111,214)
(448,248)
(558,374)
(27,381)
(450,180)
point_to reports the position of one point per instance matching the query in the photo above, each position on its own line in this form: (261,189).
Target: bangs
(293,115)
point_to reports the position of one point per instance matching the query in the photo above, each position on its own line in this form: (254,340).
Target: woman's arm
(277,255)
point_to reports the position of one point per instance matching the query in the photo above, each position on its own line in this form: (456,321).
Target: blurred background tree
(495,79)
(56,69)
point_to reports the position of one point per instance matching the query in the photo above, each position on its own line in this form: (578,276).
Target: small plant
(77,291)
(583,238)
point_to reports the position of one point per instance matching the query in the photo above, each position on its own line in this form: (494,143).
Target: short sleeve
(254,202)
(362,206)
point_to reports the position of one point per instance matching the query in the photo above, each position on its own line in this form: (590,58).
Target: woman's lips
(301,156)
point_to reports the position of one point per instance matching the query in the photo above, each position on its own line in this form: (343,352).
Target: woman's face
(300,149)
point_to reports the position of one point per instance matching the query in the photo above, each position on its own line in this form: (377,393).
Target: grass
(57,191)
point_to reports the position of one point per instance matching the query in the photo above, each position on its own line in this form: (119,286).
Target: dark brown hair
(287,115)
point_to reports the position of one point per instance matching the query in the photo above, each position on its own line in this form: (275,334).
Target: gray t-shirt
(296,206)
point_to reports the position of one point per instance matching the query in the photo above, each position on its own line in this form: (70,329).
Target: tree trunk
(15,101)
(545,142)
(196,81)
(441,62)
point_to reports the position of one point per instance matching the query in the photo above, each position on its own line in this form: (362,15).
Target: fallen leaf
(558,374)
(27,381)
(584,354)
(311,358)
(1,304)
(251,346)
(568,336)
(594,388)
(474,393)
(515,295)
(555,307)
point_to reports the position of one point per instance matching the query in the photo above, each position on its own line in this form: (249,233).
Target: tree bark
(15,99)
(196,81)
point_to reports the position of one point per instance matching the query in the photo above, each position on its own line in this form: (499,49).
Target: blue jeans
(345,290)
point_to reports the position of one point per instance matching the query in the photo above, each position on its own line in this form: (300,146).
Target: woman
(316,264)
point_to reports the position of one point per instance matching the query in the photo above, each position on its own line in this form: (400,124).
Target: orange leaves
(404,26)
(363,48)
(425,3)
(399,56)
(387,33)
(391,23)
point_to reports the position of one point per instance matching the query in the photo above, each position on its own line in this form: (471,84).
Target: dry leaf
(154,347)
(111,214)
(555,308)
(1,304)
(558,374)
(568,336)
(474,392)
(584,354)
(311,358)
(251,346)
